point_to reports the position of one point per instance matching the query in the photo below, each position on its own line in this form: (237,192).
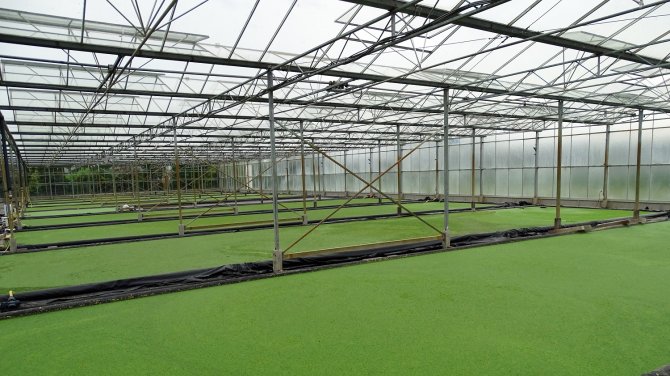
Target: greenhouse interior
(335,187)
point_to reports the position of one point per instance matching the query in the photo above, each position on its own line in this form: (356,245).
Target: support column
(288,186)
(346,194)
(379,169)
(116,199)
(606,166)
(51,194)
(638,161)
(437,169)
(260,174)
(472,172)
(232,141)
(399,167)
(481,168)
(536,180)
(314,178)
(302,174)
(370,169)
(277,255)
(178,178)
(559,164)
(446,242)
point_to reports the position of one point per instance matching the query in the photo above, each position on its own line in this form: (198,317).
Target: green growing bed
(585,304)
(23,272)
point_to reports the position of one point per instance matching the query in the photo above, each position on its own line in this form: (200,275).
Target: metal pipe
(345,173)
(606,166)
(536,169)
(379,166)
(445,175)
(232,140)
(399,168)
(178,178)
(636,209)
(472,176)
(559,163)
(302,171)
(277,255)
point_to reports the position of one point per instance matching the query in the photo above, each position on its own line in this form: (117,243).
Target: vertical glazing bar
(260,174)
(116,198)
(399,167)
(379,168)
(232,142)
(559,164)
(277,256)
(445,165)
(638,161)
(314,177)
(437,169)
(536,180)
(606,166)
(346,194)
(370,168)
(472,171)
(178,181)
(302,172)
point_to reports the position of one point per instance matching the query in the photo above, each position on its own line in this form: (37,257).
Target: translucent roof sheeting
(100,81)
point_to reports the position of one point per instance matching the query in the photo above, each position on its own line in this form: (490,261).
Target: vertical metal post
(379,169)
(260,174)
(370,169)
(472,171)
(288,187)
(606,166)
(399,167)
(638,161)
(536,178)
(116,199)
(437,169)
(277,255)
(178,178)
(345,174)
(51,194)
(445,162)
(232,142)
(314,177)
(559,164)
(481,168)
(302,173)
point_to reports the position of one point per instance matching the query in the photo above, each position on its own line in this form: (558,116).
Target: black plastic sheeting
(95,293)
(663,371)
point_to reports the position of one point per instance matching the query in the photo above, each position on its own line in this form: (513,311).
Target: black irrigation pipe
(189,216)
(55,299)
(30,248)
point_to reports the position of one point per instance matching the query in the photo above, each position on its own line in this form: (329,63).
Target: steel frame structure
(396,72)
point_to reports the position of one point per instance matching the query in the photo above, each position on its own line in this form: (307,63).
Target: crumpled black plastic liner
(95,293)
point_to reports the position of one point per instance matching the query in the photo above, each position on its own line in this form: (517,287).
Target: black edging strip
(95,293)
